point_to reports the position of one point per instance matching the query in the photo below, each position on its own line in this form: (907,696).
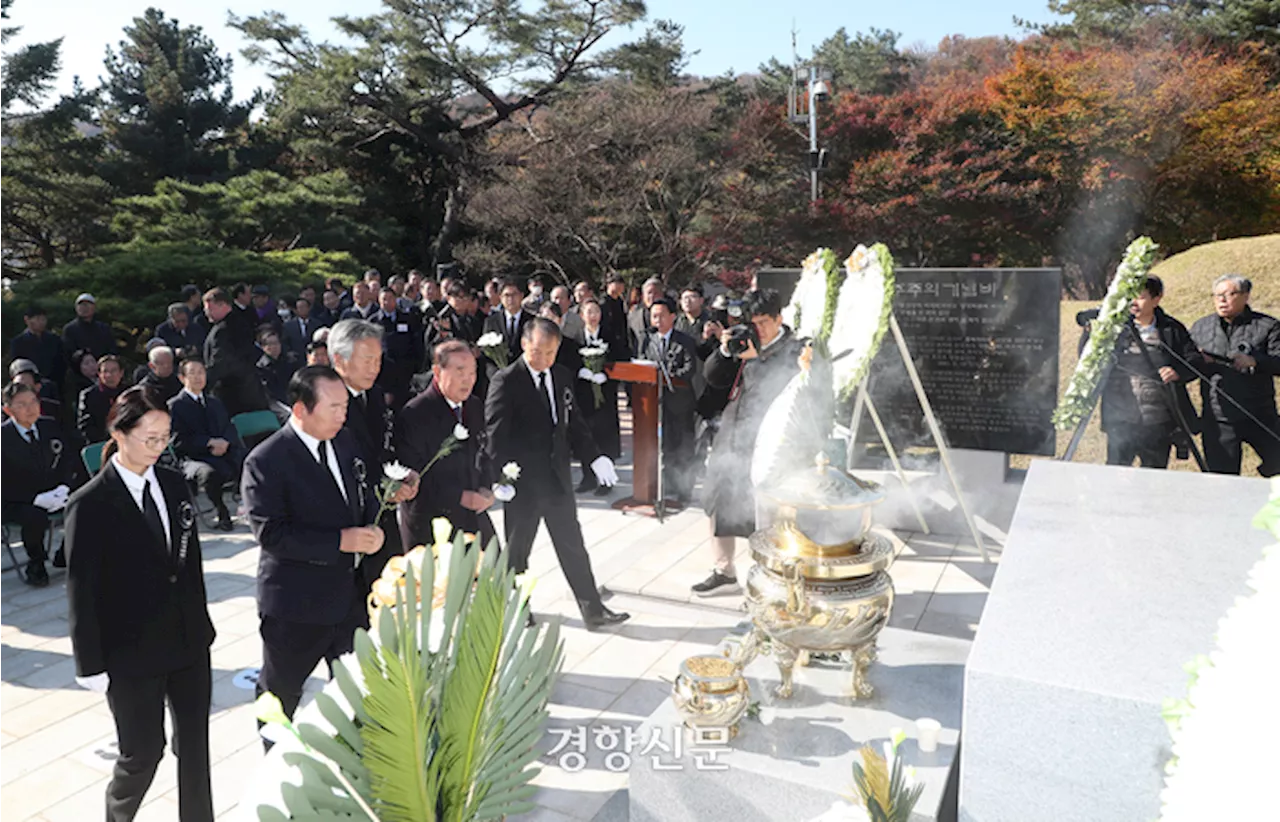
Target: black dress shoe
(224,524)
(603,618)
(60,557)
(603,490)
(588,484)
(37,576)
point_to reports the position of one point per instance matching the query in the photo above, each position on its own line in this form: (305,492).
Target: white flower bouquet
(494,347)
(593,361)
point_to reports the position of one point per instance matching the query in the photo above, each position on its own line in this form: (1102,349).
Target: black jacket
(683,366)
(1252,333)
(638,326)
(193,427)
(94,336)
(45,351)
(1135,397)
(229,357)
(30,470)
(190,337)
(520,430)
(298,514)
(91,411)
(613,326)
(275,375)
(353,312)
(497,321)
(298,333)
(371,424)
(165,387)
(423,426)
(138,607)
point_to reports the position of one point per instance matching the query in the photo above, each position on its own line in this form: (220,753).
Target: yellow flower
(394,569)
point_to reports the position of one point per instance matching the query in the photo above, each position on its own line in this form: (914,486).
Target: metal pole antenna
(813,136)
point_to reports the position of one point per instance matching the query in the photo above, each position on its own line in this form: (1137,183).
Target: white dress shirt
(551,390)
(136,482)
(197,397)
(313,445)
(592,338)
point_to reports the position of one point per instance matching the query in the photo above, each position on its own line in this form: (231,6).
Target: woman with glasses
(140,628)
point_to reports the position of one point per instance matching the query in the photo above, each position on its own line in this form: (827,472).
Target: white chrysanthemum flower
(490,339)
(460,432)
(591,351)
(395,471)
(504,493)
(511,471)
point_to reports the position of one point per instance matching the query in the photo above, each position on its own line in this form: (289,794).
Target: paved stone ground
(56,740)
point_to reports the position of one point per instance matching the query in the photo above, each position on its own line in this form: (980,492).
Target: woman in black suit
(602,421)
(140,628)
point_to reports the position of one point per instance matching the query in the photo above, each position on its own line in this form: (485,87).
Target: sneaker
(717,583)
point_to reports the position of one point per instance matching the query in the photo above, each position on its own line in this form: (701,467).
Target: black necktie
(151,513)
(363,400)
(457,413)
(322,455)
(31,436)
(546,398)
(511,329)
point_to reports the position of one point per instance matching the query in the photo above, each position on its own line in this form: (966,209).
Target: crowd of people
(364,377)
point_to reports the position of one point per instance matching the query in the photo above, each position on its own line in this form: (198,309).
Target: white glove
(602,467)
(585,373)
(49,501)
(503,492)
(599,379)
(98,683)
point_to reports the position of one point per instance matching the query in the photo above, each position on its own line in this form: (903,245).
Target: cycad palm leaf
(472,681)
(398,733)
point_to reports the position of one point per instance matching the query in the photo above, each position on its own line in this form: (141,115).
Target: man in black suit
(664,344)
(178,332)
(402,347)
(230,355)
(355,349)
(532,422)
(207,445)
(25,371)
(299,328)
(160,377)
(310,498)
(456,487)
(41,346)
(510,322)
(327,313)
(95,401)
(41,466)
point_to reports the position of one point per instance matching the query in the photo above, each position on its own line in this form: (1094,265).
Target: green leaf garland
(1128,282)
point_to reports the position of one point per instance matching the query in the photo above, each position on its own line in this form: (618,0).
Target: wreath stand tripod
(935,430)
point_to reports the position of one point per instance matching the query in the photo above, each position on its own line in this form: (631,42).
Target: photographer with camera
(755,361)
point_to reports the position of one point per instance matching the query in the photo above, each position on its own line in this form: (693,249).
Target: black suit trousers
(559,510)
(1224,442)
(291,650)
(34,524)
(137,704)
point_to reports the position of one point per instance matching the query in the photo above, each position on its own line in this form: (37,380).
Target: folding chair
(255,423)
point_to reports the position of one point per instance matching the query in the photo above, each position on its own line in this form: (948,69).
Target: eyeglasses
(156,443)
(1226,295)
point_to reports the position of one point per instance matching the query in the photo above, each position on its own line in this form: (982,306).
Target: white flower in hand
(489,339)
(511,472)
(460,432)
(395,471)
(598,378)
(503,492)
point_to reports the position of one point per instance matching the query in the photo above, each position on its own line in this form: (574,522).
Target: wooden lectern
(644,430)
(645,444)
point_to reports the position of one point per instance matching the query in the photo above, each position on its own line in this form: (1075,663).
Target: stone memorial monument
(985,341)
(1112,580)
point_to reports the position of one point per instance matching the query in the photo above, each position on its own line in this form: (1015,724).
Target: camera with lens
(741,337)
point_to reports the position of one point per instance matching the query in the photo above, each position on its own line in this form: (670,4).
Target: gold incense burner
(711,696)
(819,582)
